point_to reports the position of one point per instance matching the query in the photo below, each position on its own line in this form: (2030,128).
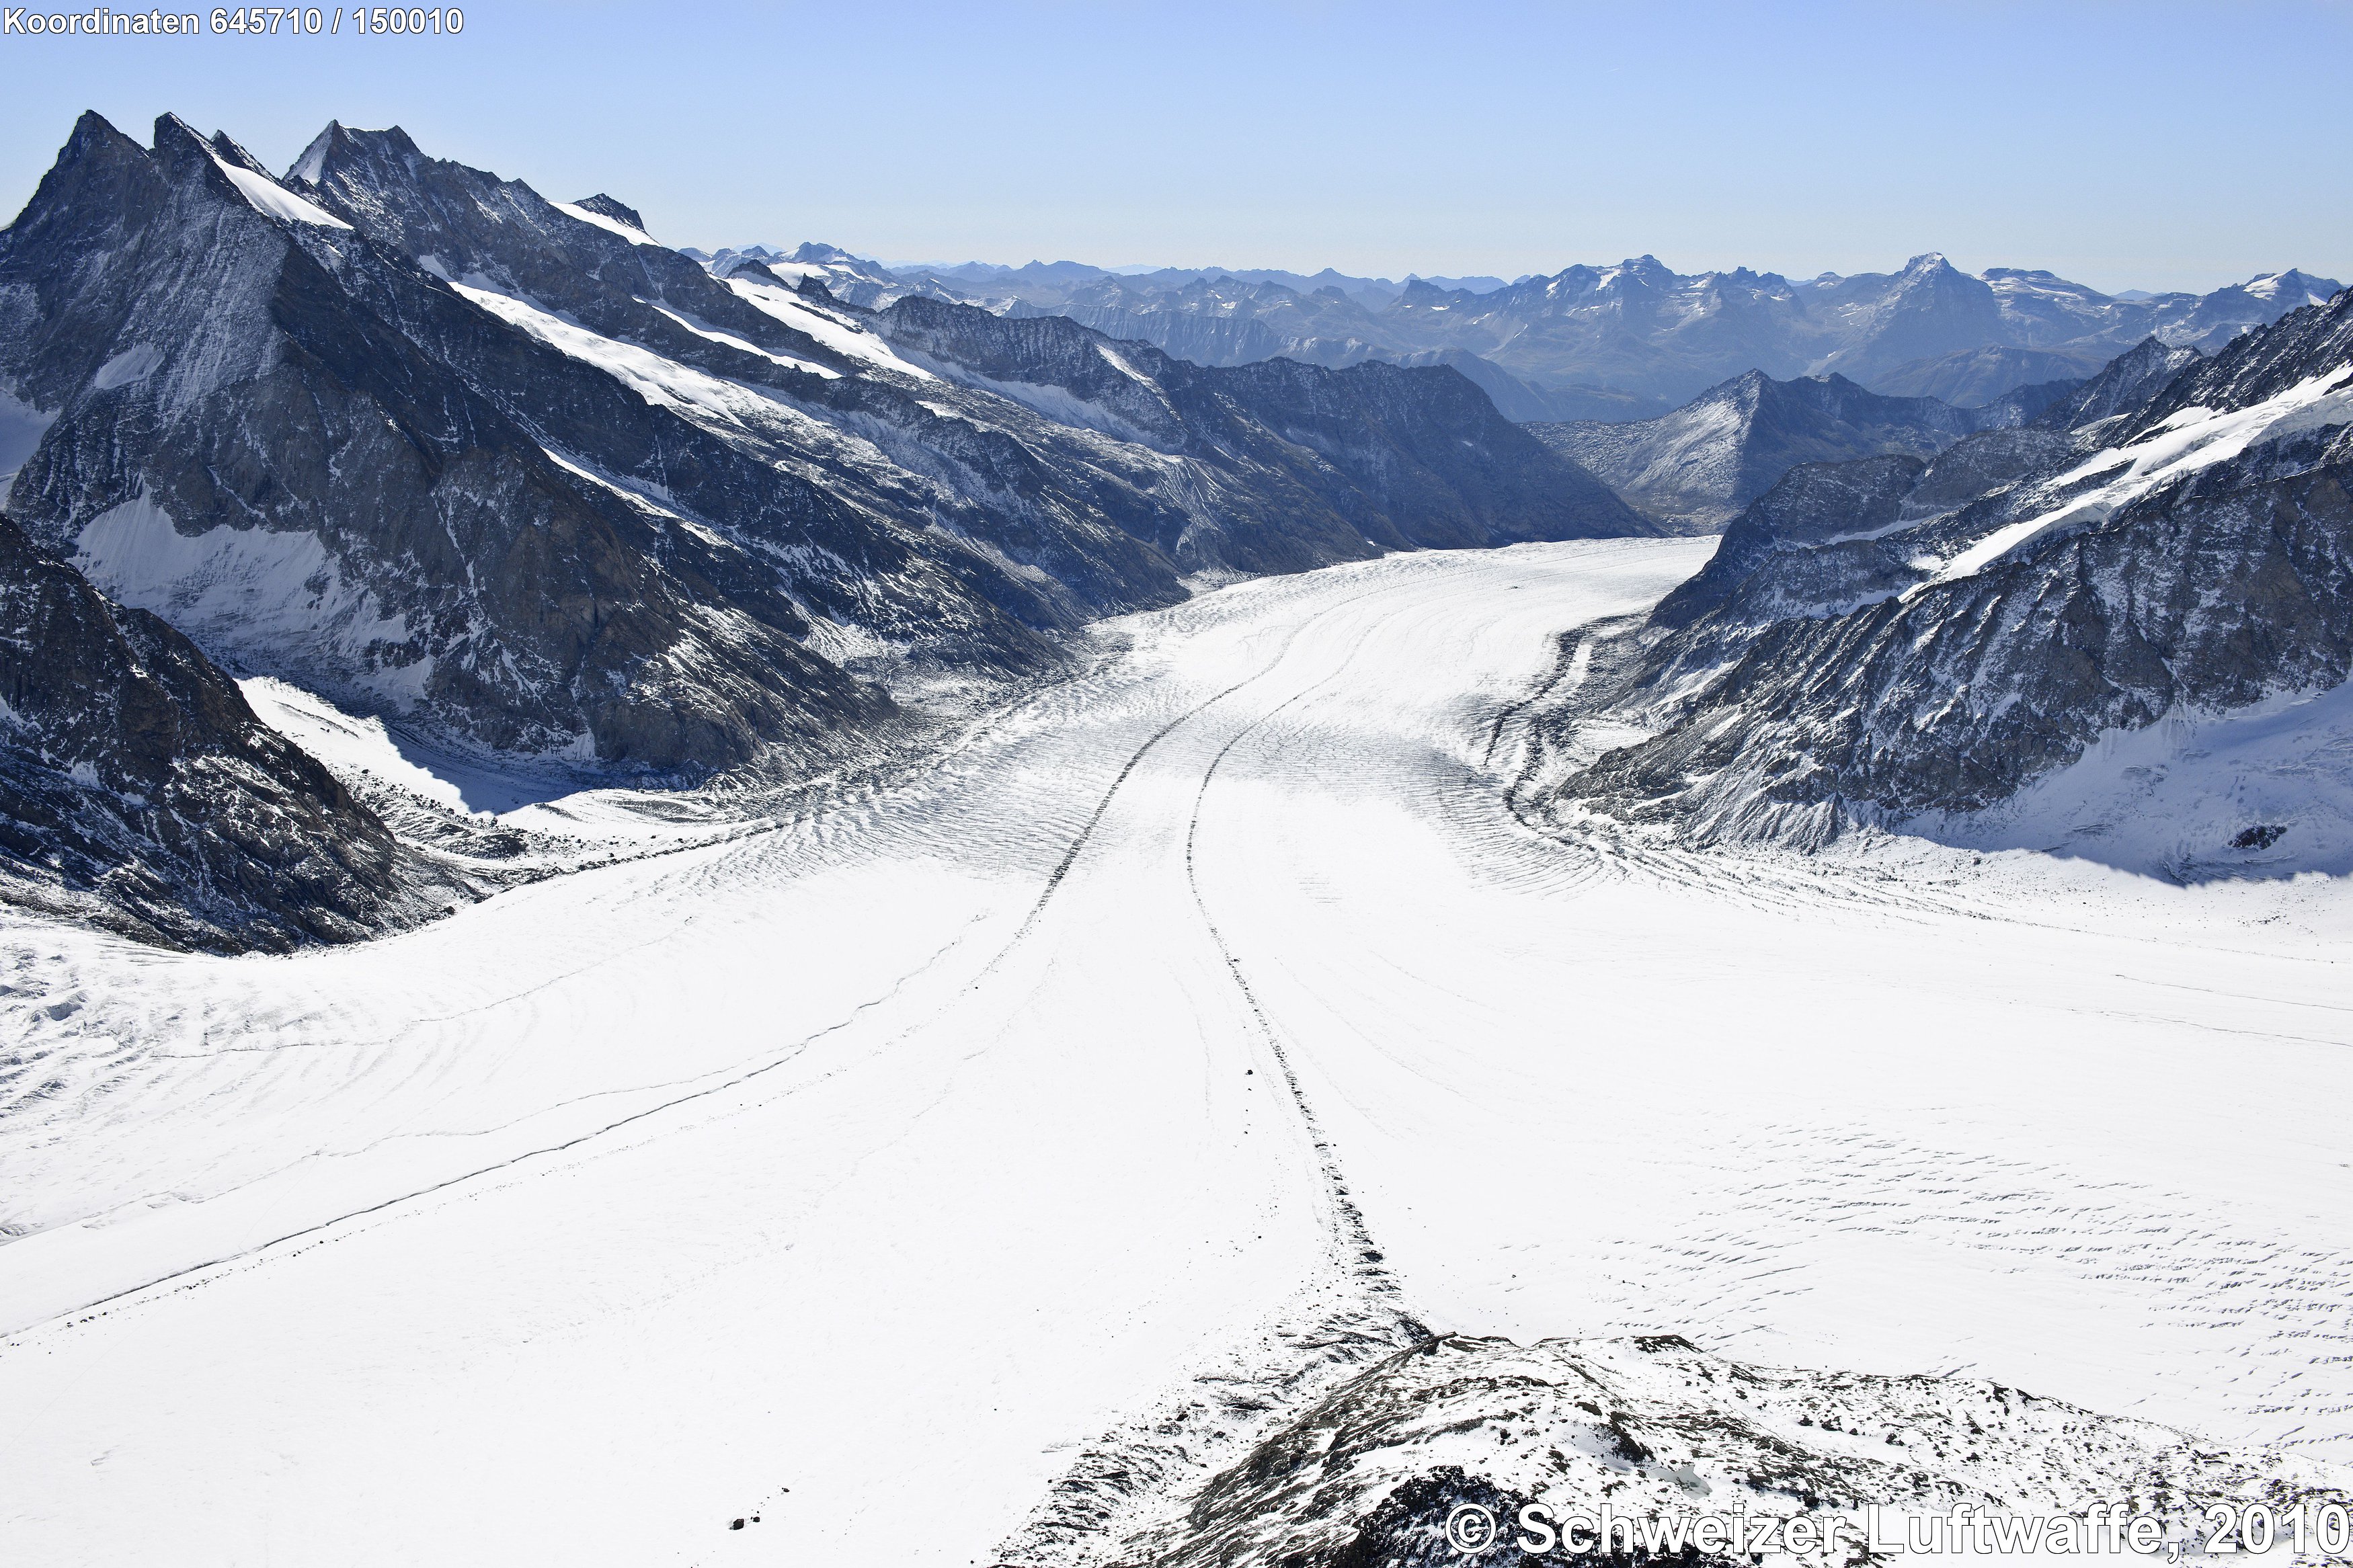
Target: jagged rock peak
(233,151)
(341,145)
(176,143)
(2124,385)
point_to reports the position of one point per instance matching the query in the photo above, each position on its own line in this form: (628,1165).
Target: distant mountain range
(1042,282)
(543,493)
(1627,341)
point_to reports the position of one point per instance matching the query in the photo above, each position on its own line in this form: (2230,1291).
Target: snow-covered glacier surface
(856,1176)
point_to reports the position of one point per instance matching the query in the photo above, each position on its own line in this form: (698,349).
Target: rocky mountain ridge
(413,435)
(1972,647)
(1662,1434)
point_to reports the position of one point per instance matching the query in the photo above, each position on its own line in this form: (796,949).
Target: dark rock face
(137,787)
(1888,641)
(1697,467)
(2124,385)
(1801,516)
(410,436)
(606,206)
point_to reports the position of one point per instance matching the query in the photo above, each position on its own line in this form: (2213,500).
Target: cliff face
(275,433)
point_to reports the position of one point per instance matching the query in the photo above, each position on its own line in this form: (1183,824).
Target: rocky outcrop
(138,789)
(1663,1435)
(2124,385)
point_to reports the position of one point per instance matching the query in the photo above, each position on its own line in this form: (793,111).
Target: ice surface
(344,742)
(133,364)
(21,429)
(313,161)
(2176,798)
(893,1154)
(232,589)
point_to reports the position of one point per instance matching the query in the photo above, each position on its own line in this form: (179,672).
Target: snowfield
(862,1176)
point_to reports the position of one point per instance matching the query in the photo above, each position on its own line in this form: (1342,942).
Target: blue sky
(2147,145)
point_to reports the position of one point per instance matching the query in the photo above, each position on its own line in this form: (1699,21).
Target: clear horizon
(1501,140)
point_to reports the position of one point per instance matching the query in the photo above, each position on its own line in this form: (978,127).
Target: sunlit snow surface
(870,1159)
(344,742)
